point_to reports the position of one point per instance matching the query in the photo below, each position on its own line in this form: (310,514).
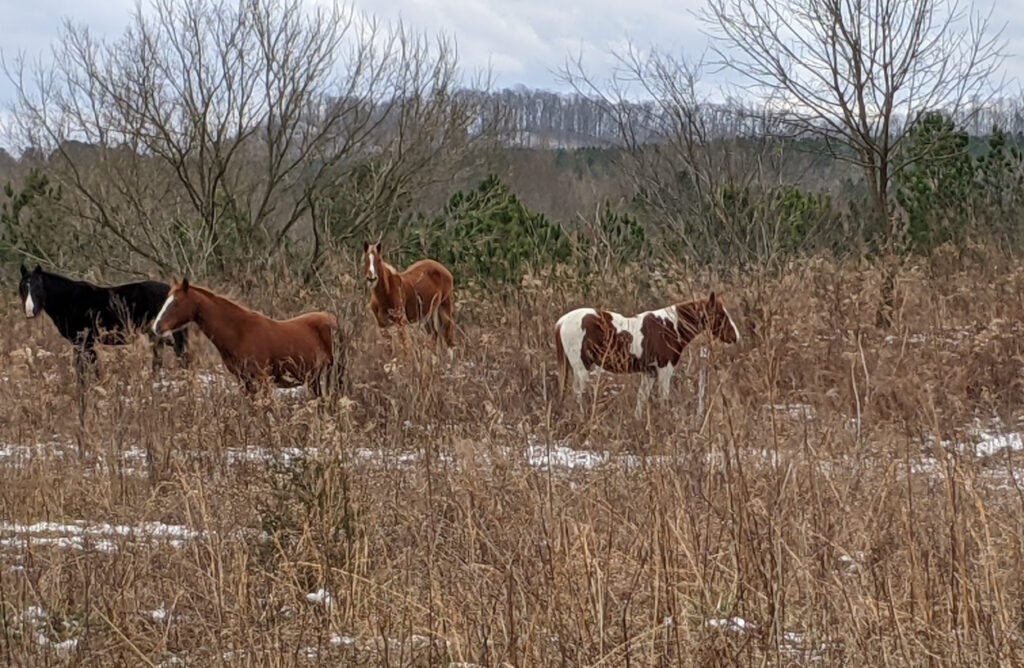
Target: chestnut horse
(650,343)
(303,350)
(423,292)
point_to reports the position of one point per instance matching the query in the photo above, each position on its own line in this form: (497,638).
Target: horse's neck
(389,284)
(222,321)
(59,291)
(689,321)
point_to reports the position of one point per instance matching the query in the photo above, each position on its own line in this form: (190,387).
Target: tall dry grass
(819,514)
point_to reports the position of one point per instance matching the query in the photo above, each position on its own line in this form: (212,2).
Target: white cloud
(523,41)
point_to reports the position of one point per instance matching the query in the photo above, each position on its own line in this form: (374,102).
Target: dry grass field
(853,496)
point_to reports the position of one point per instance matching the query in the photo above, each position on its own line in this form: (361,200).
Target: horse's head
(719,323)
(32,291)
(178,310)
(372,262)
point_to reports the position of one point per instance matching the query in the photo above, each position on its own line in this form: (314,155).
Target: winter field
(854,495)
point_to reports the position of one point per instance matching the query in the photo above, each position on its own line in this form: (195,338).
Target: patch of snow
(342,641)
(734,624)
(100,537)
(159,614)
(63,647)
(39,621)
(990,444)
(321,596)
(850,562)
(33,614)
(560,456)
(793,411)
(298,392)
(258,455)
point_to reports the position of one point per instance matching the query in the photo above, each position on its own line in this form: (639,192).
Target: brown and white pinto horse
(650,343)
(423,292)
(256,349)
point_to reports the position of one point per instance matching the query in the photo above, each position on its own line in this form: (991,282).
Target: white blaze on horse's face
(161,314)
(30,306)
(371,266)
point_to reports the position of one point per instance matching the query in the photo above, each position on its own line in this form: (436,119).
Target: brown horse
(255,348)
(650,343)
(423,292)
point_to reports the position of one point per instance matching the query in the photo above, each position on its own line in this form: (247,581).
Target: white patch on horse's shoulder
(30,306)
(160,315)
(732,322)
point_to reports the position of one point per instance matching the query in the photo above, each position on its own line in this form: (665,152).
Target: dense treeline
(193,145)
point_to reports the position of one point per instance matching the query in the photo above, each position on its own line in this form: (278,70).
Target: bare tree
(857,74)
(691,162)
(212,123)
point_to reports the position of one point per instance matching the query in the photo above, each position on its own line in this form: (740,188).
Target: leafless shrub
(211,126)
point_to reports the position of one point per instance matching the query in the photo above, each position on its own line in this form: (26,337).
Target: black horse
(87,314)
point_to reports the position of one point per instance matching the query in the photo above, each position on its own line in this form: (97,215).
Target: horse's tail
(335,339)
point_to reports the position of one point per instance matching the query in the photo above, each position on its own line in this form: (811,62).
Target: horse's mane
(222,298)
(68,279)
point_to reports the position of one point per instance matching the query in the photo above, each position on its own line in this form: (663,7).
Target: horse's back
(321,324)
(148,294)
(437,273)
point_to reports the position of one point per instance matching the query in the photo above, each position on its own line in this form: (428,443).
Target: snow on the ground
(793,411)
(19,454)
(80,535)
(560,456)
(991,443)
(792,641)
(159,614)
(737,624)
(321,596)
(47,632)
(103,537)
(379,645)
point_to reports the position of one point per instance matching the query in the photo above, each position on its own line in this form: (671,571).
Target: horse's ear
(37,270)
(712,300)
(184,285)
(24,271)
(366,246)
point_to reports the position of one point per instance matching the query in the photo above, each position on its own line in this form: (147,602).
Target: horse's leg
(646,383)
(403,336)
(157,344)
(85,359)
(313,383)
(181,348)
(252,386)
(665,382)
(579,382)
(448,322)
(85,365)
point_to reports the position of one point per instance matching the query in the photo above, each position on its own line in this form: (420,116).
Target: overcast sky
(523,40)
